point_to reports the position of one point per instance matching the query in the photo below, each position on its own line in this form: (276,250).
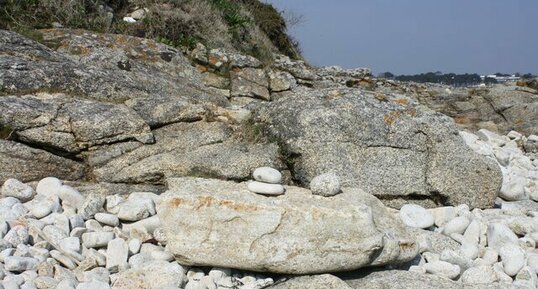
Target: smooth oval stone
(267,175)
(97,239)
(443,215)
(49,186)
(70,196)
(17,189)
(513,259)
(456,225)
(513,189)
(265,189)
(416,216)
(479,275)
(499,235)
(107,219)
(442,268)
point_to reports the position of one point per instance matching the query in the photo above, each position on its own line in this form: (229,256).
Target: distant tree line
(449,78)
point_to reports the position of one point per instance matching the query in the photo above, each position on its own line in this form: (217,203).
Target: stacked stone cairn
(267,181)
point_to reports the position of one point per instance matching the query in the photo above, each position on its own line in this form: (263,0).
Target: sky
(415,36)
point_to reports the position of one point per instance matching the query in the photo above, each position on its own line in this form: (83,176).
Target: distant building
(500,79)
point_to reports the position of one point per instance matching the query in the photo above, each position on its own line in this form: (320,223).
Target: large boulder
(218,223)
(396,150)
(518,106)
(499,108)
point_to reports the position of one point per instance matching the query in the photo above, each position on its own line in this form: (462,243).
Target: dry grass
(248,26)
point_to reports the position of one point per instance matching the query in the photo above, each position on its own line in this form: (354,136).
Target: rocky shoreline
(55,237)
(126,163)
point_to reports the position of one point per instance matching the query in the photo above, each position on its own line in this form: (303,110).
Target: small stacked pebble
(267,181)
(52,236)
(493,245)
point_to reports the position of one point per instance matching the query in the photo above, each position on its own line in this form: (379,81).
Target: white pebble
(116,255)
(456,225)
(416,216)
(70,196)
(49,187)
(265,189)
(136,210)
(267,175)
(479,275)
(19,264)
(499,235)
(96,239)
(107,219)
(134,246)
(513,258)
(443,269)
(442,215)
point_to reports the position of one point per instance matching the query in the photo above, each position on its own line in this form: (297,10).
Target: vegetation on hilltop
(248,26)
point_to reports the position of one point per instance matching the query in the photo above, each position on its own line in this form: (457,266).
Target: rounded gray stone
(17,189)
(327,185)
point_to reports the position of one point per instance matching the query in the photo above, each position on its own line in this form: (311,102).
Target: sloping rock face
(27,164)
(129,110)
(134,111)
(183,149)
(64,123)
(394,149)
(218,223)
(500,108)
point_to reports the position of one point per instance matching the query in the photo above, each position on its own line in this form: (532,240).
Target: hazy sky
(413,36)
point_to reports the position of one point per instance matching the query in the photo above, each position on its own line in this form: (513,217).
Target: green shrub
(231,12)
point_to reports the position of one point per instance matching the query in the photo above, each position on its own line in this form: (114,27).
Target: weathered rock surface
(58,121)
(326,281)
(499,108)
(151,275)
(296,233)
(249,82)
(395,279)
(389,149)
(183,149)
(29,164)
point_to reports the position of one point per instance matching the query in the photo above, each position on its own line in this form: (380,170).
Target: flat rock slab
(29,164)
(326,281)
(396,279)
(209,222)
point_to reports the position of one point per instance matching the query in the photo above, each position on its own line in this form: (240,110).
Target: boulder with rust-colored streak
(217,223)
